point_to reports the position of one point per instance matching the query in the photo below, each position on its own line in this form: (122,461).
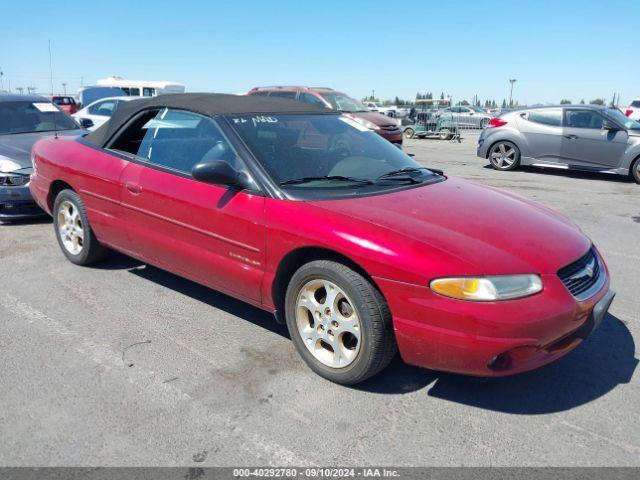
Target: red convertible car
(303,212)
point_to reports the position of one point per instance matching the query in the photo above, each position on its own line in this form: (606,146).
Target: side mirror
(86,123)
(607,125)
(219,172)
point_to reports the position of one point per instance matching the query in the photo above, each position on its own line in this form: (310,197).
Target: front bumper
(17,203)
(491,339)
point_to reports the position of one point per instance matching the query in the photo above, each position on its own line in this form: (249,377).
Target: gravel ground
(124,364)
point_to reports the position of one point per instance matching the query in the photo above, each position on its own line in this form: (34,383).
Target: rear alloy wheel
(444,134)
(339,322)
(504,156)
(635,170)
(73,232)
(409,132)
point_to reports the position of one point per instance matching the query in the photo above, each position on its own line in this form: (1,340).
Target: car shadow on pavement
(597,366)
(601,363)
(41,220)
(197,292)
(604,361)
(573,174)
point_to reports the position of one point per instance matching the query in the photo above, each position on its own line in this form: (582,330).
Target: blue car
(24,119)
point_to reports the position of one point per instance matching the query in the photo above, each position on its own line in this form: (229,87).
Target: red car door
(209,233)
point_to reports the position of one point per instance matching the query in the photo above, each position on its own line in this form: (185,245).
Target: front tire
(339,322)
(635,170)
(73,231)
(504,156)
(409,132)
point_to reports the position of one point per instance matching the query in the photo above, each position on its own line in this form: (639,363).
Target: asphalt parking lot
(124,364)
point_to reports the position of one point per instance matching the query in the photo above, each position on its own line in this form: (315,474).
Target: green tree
(442,96)
(597,101)
(564,101)
(582,102)
(504,103)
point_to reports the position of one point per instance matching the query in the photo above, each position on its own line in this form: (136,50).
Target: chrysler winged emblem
(587,271)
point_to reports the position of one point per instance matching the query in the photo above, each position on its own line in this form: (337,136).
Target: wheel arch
(498,140)
(54,189)
(296,258)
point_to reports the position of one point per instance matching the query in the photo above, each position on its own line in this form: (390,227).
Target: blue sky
(555,49)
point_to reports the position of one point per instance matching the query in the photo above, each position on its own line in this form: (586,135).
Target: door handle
(133,188)
(571,137)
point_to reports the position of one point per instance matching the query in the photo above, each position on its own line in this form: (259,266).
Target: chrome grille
(584,277)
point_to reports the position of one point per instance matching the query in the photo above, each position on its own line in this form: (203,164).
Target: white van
(141,88)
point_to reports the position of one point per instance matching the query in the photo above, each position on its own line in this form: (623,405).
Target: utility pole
(1,80)
(64,87)
(511,81)
(373,94)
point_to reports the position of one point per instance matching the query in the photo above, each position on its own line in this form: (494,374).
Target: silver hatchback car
(577,137)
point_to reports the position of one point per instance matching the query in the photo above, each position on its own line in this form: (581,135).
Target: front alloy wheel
(339,322)
(328,323)
(504,156)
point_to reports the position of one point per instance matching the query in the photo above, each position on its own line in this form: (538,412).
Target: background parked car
(633,110)
(329,98)
(467,116)
(577,137)
(65,103)
(23,120)
(100,111)
(88,95)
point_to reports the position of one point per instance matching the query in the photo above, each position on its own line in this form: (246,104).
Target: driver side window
(174,139)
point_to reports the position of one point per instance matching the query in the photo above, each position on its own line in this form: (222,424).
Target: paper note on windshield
(46,107)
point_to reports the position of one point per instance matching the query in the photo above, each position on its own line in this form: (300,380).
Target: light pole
(511,81)
(1,80)
(64,87)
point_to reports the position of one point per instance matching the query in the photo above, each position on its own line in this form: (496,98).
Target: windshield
(327,152)
(622,119)
(343,103)
(26,117)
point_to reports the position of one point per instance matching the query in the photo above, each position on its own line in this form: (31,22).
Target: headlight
(488,289)
(8,165)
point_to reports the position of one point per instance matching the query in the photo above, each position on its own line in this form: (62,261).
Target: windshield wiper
(338,178)
(402,171)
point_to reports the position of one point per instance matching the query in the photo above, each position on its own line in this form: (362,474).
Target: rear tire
(339,322)
(504,155)
(444,134)
(73,231)
(635,170)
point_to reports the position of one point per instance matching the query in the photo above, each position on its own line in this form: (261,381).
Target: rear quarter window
(546,117)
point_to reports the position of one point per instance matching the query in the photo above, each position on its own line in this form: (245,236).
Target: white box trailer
(142,88)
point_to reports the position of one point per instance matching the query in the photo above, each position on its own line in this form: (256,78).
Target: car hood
(377,118)
(473,228)
(16,147)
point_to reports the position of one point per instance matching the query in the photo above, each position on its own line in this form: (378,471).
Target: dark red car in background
(301,211)
(384,126)
(65,103)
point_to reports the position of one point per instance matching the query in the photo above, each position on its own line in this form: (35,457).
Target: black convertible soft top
(209,104)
